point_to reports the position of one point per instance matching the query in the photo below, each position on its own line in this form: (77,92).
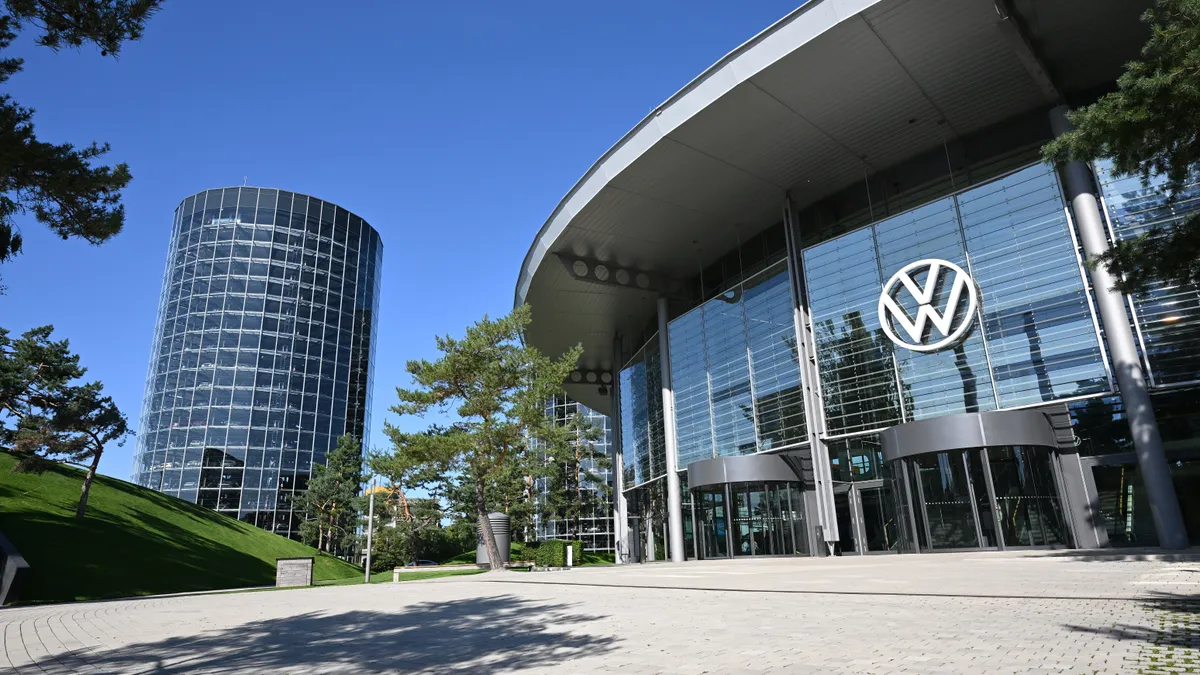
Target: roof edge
(836,11)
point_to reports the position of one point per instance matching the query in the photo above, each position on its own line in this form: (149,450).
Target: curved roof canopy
(836,90)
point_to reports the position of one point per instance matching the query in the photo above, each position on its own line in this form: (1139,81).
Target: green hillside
(133,541)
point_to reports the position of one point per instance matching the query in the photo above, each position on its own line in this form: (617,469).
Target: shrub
(553,553)
(524,550)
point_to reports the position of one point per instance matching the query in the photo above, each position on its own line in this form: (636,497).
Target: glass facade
(262,350)
(1036,339)
(643,447)
(736,373)
(1167,316)
(749,519)
(596,525)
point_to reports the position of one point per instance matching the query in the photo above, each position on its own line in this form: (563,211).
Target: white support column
(620,507)
(1131,380)
(674,496)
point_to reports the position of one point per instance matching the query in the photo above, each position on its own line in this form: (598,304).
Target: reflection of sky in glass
(735,372)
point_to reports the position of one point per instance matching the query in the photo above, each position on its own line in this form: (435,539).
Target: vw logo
(951,323)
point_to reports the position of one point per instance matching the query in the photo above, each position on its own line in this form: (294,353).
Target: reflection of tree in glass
(858,383)
(784,424)
(573,472)
(1099,424)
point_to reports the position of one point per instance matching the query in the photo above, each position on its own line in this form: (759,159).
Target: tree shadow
(132,541)
(1140,554)
(124,559)
(1172,620)
(480,635)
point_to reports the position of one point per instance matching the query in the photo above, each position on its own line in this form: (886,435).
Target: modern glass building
(262,350)
(844,302)
(594,527)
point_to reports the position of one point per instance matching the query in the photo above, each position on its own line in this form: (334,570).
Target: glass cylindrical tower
(262,350)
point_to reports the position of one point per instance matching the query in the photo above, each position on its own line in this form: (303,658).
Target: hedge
(553,553)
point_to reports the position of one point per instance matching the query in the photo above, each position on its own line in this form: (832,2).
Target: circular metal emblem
(945,285)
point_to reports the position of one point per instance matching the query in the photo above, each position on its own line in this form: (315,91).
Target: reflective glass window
(1037,319)
(854,357)
(1168,314)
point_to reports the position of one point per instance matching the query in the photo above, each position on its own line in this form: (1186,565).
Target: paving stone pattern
(949,613)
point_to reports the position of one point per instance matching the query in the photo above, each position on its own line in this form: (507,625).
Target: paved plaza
(1046,612)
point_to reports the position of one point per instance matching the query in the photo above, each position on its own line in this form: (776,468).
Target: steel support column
(822,488)
(1131,380)
(620,508)
(674,494)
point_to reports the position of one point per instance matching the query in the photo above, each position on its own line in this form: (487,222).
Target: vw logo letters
(948,321)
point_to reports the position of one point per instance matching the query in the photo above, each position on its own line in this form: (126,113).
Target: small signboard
(293,572)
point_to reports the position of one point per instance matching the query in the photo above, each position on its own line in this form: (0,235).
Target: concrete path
(948,613)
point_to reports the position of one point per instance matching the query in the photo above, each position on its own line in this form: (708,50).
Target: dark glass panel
(1029,511)
(942,482)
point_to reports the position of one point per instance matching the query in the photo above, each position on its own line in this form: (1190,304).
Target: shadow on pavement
(480,635)
(1172,620)
(1128,555)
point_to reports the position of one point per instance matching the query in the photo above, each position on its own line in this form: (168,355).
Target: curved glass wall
(262,350)
(1035,341)
(736,373)
(983,498)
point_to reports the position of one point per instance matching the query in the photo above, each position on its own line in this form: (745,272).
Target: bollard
(570,554)
(501,528)
(395,574)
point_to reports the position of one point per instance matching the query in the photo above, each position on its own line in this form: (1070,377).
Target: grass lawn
(591,559)
(134,541)
(519,551)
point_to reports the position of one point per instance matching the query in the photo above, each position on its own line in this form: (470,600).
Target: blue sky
(454,128)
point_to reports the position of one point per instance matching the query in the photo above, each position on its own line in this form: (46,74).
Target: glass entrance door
(1026,499)
(996,497)
(866,516)
(749,519)
(880,529)
(714,537)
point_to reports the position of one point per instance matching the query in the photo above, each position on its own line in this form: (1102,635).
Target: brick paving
(950,613)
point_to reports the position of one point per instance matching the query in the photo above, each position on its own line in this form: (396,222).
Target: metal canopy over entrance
(749,505)
(969,481)
(749,519)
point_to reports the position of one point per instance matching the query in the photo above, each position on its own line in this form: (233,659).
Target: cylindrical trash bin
(500,528)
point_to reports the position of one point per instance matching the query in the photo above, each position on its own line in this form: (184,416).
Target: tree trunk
(329,539)
(87,484)
(404,502)
(485,528)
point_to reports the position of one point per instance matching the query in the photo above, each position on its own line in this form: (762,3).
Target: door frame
(852,491)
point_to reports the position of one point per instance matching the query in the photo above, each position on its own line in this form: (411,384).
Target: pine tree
(496,386)
(330,501)
(46,418)
(573,474)
(1150,126)
(58,183)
